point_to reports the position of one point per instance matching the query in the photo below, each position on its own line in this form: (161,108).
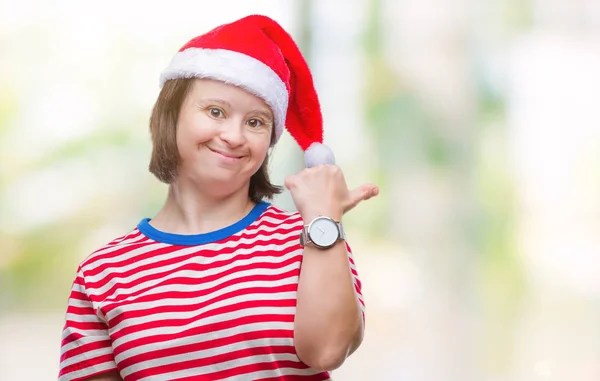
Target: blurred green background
(480,258)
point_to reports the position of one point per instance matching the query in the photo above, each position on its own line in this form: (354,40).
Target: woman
(220,284)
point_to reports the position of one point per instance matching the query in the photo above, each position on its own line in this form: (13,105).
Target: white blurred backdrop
(481,257)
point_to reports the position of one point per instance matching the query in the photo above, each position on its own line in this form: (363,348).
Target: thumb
(362,193)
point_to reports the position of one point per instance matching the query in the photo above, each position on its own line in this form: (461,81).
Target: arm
(329,323)
(86,348)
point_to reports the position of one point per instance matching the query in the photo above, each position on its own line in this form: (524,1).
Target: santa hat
(258,55)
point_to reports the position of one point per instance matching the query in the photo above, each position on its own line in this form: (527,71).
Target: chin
(225,178)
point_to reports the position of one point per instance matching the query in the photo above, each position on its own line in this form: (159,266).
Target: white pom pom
(318,154)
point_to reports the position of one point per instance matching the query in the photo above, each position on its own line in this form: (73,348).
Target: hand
(322,191)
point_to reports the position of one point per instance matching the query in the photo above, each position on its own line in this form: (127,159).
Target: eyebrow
(264,114)
(216,100)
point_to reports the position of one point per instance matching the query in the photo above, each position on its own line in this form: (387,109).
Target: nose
(232,133)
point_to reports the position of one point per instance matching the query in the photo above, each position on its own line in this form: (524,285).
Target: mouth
(225,154)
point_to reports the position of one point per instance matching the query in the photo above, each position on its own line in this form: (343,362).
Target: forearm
(329,322)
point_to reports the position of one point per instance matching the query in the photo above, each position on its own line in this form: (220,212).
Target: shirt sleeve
(356,279)
(86,346)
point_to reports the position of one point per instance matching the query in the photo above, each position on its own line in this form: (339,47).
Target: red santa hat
(258,55)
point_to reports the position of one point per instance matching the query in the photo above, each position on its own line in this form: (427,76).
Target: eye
(254,123)
(215,112)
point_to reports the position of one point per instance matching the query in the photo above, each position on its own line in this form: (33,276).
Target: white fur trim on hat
(234,68)
(317,154)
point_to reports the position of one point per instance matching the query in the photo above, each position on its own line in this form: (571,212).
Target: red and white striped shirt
(215,306)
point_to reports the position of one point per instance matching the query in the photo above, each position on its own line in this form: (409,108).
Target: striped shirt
(215,306)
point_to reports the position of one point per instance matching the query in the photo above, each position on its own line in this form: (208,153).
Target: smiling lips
(225,154)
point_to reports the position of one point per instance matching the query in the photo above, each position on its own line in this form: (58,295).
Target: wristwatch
(323,232)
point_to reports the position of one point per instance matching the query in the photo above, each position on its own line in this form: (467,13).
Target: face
(223,135)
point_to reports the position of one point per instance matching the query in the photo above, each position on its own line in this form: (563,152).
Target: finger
(362,193)
(371,191)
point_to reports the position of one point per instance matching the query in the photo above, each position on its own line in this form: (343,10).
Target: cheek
(261,148)
(191,133)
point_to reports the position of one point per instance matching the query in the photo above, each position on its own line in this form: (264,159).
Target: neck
(190,210)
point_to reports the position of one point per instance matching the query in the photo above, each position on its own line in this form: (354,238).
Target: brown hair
(164,161)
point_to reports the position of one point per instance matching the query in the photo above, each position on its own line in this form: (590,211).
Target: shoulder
(116,250)
(277,215)
(276,220)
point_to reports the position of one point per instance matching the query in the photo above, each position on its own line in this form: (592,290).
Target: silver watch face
(323,232)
